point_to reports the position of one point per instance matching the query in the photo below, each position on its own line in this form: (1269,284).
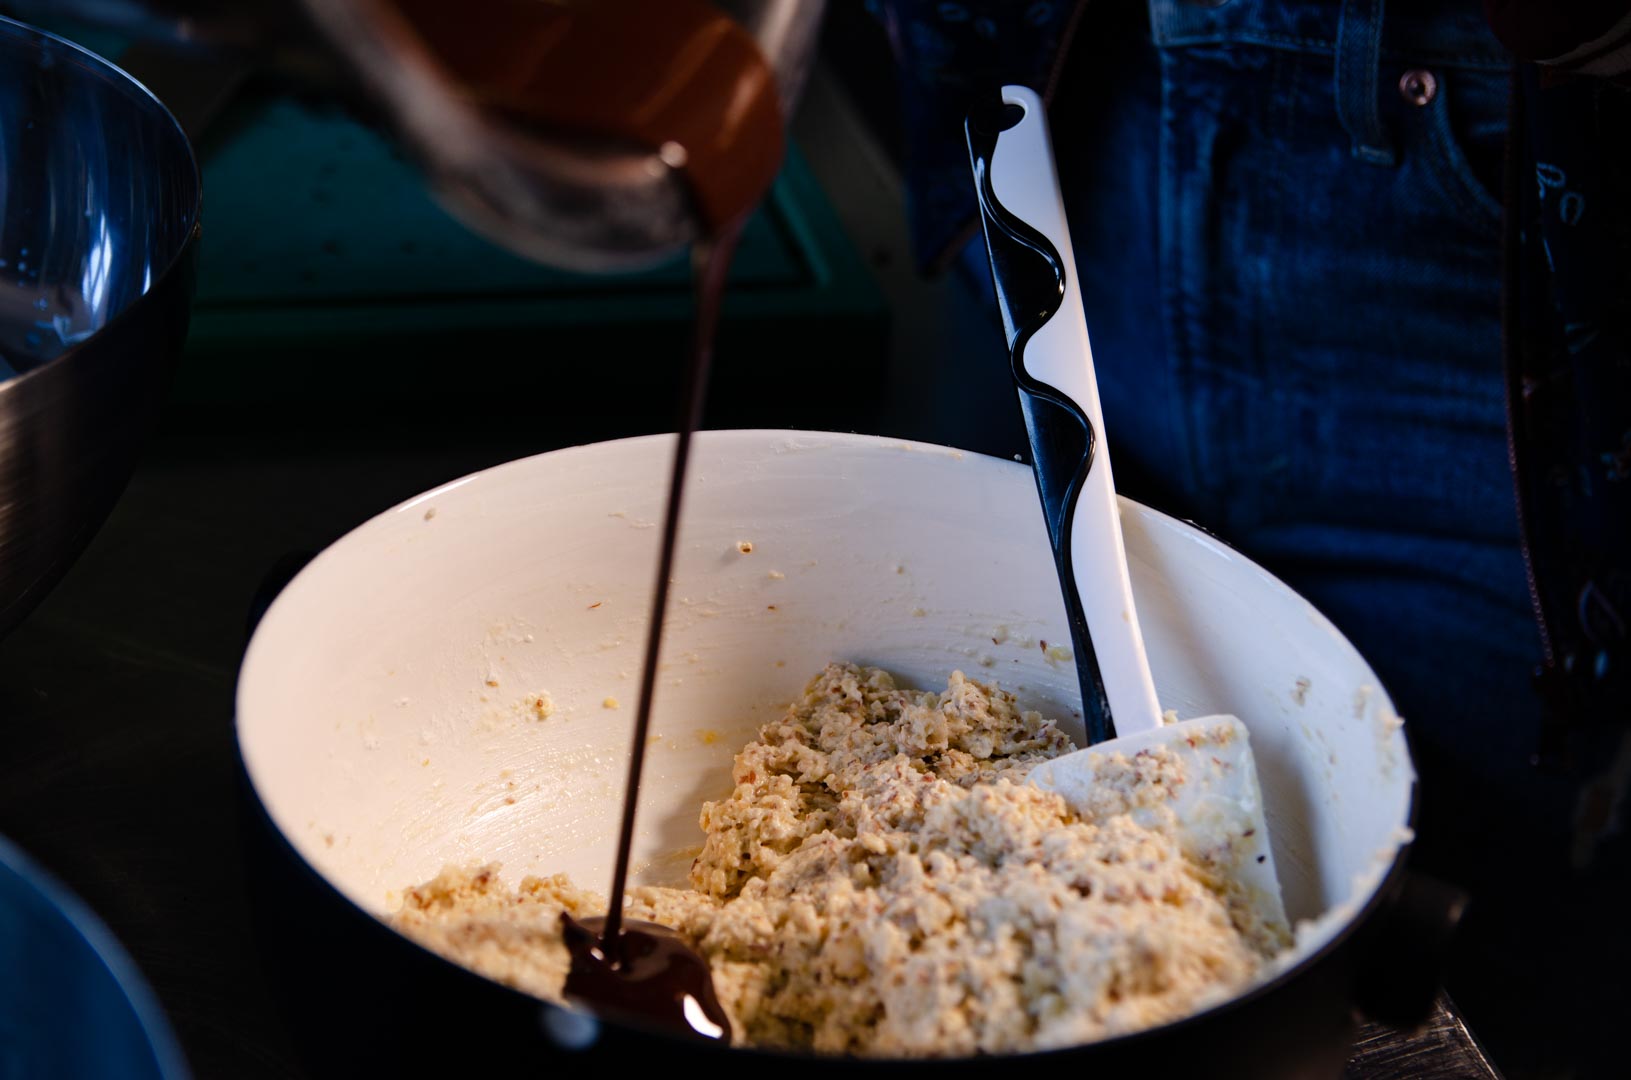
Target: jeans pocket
(1449,139)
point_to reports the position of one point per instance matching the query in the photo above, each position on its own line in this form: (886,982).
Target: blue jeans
(1300,338)
(1286,222)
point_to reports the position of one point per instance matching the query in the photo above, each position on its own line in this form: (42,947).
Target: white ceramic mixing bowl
(387,709)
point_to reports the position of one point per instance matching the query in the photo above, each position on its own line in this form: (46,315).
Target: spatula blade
(1217,803)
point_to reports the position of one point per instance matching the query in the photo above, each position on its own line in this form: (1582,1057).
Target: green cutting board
(327,267)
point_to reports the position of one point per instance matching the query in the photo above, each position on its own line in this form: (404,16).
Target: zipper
(1550,682)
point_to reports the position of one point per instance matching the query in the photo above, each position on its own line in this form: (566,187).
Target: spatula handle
(1033,267)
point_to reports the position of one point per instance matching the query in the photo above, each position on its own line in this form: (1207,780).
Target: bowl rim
(1386,885)
(195,211)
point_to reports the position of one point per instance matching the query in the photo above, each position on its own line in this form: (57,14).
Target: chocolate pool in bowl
(453,682)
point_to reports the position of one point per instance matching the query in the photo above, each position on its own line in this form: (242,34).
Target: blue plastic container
(72,1004)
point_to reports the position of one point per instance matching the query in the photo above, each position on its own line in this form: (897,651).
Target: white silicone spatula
(1219,806)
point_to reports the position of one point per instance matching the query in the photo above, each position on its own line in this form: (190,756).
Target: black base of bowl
(361,999)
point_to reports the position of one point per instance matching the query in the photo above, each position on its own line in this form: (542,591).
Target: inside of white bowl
(454,681)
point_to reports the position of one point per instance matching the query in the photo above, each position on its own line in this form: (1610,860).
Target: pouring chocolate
(680,78)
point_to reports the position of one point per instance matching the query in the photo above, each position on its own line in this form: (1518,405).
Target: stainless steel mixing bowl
(99,202)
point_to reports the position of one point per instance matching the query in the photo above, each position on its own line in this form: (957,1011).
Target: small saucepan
(381,734)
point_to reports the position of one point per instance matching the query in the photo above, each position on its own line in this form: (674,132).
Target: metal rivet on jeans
(1418,86)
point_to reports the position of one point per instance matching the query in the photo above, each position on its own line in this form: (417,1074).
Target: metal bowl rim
(9,25)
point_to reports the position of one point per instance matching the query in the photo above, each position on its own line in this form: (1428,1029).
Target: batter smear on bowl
(881,881)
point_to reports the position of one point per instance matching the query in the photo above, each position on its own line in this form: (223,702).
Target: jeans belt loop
(1358,71)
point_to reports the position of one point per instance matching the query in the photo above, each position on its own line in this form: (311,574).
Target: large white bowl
(383,708)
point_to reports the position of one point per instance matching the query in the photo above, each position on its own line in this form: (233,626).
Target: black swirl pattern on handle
(1029,277)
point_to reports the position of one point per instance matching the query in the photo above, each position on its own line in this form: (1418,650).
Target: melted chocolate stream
(682,78)
(709,263)
(642,967)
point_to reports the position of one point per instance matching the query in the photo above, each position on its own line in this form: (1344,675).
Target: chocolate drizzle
(608,973)
(678,77)
(650,975)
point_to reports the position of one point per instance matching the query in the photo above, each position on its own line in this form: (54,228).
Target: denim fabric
(1300,349)
(1295,316)
(1358,55)
(946,51)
